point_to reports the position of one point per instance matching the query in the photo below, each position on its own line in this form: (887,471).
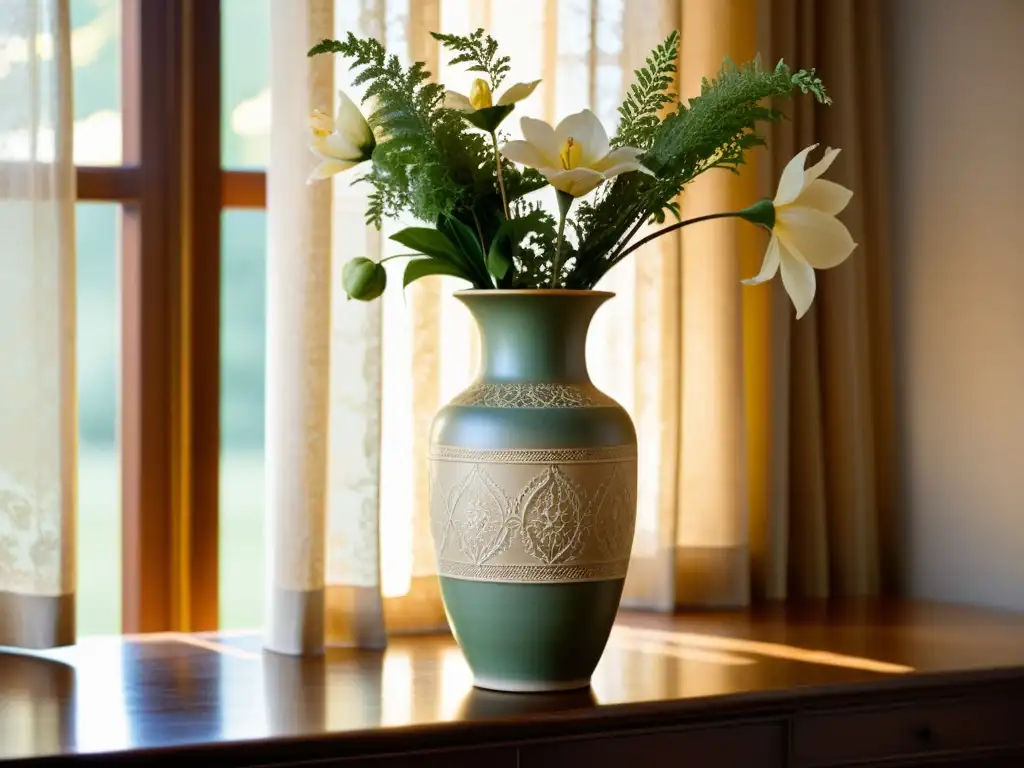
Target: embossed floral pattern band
(533,516)
(533,395)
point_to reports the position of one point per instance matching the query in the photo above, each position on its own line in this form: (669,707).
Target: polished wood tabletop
(108,695)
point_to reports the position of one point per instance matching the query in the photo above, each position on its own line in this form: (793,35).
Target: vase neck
(533,336)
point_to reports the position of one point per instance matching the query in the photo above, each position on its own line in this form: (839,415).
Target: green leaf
(418,268)
(428,241)
(499,255)
(470,249)
(489,118)
(464,238)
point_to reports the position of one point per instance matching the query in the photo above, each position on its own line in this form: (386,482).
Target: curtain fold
(37,321)
(824,508)
(765,444)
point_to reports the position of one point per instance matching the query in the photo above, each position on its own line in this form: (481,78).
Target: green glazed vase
(533,496)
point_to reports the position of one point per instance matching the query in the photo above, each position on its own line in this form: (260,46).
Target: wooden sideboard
(803,686)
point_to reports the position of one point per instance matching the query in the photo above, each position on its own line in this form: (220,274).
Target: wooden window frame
(172,191)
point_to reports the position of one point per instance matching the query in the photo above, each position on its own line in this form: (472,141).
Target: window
(99,491)
(243,341)
(96,80)
(245,134)
(149,291)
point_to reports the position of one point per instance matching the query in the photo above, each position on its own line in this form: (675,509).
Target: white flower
(576,156)
(339,142)
(806,235)
(480,96)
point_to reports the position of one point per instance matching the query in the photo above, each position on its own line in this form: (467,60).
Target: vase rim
(532,292)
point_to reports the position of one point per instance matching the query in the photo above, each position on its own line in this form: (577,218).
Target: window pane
(99,476)
(245,83)
(96,58)
(243,309)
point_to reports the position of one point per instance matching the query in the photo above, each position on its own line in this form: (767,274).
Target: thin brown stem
(501,177)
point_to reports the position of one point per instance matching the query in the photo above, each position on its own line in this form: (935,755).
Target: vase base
(529,686)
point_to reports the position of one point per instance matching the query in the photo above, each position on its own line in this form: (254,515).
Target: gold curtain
(765,444)
(819,392)
(37,321)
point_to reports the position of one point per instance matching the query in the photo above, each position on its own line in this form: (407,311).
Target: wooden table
(810,685)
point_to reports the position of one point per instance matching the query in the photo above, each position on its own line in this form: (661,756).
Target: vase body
(533,496)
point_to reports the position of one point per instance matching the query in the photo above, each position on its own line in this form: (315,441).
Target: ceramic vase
(533,496)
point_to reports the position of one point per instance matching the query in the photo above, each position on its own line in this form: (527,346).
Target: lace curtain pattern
(37,314)
(763,463)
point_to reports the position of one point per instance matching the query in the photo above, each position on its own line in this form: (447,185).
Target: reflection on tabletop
(166,689)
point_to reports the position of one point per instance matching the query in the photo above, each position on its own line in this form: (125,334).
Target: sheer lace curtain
(37,313)
(702,365)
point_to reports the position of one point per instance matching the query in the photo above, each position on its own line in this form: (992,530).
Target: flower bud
(480,94)
(364,279)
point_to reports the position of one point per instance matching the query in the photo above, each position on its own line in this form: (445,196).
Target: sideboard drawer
(919,729)
(458,758)
(741,746)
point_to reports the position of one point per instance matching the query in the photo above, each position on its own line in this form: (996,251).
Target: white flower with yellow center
(339,142)
(480,96)
(575,156)
(806,235)
(479,107)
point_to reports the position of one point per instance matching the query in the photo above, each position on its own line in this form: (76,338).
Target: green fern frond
(714,130)
(426,159)
(478,50)
(650,91)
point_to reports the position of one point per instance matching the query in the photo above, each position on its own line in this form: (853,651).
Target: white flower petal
(615,170)
(319,121)
(798,280)
(791,183)
(586,130)
(526,153)
(821,166)
(576,182)
(350,123)
(769,266)
(815,237)
(457,101)
(517,92)
(327,168)
(542,136)
(616,157)
(825,196)
(336,146)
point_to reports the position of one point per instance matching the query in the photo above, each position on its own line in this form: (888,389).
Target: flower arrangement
(442,157)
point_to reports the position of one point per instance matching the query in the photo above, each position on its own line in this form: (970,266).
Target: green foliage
(451,246)
(418,268)
(424,154)
(535,232)
(714,130)
(478,50)
(650,92)
(431,163)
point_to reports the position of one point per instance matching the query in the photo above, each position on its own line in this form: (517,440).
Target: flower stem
(400,256)
(501,178)
(679,225)
(564,204)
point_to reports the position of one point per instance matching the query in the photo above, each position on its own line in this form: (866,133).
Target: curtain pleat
(299,281)
(835,526)
(37,330)
(766,445)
